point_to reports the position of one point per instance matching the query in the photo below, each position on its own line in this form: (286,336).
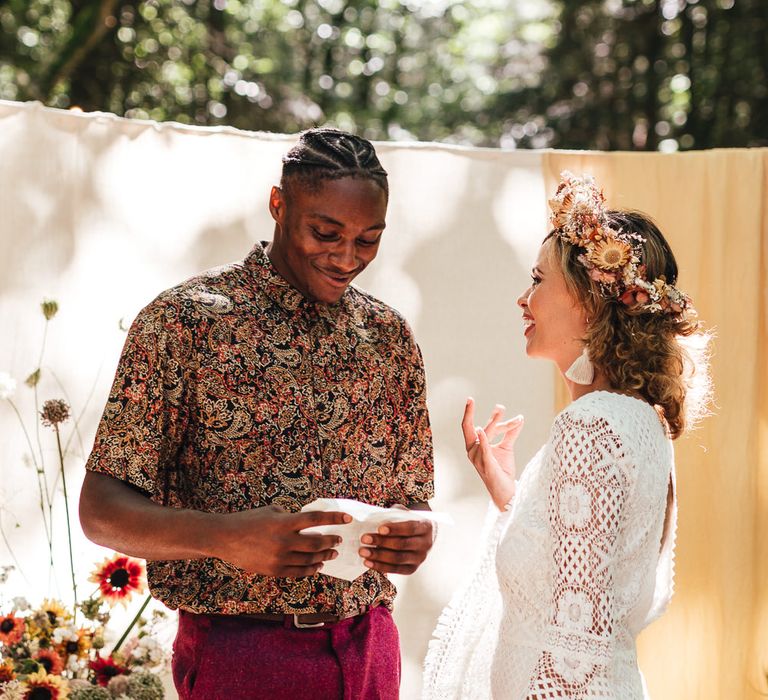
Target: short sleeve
(415,462)
(592,478)
(145,416)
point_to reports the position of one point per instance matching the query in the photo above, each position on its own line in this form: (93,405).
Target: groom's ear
(277,204)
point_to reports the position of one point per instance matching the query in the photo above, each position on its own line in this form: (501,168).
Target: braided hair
(329,154)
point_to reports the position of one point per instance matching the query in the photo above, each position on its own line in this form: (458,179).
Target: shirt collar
(286,295)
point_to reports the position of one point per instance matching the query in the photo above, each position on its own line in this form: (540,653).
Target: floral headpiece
(612,257)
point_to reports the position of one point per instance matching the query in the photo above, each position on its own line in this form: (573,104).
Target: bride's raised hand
(494,463)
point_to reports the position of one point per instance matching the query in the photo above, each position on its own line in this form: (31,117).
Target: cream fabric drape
(102,213)
(713,642)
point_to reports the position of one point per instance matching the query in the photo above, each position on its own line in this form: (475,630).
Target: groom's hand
(398,548)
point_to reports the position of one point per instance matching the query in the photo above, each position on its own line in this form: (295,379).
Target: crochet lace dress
(580,561)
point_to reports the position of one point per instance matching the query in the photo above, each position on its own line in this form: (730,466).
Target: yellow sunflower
(55,611)
(47,617)
(41,685)
(610,254)
(78,646)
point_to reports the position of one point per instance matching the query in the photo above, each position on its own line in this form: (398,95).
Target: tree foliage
(607,74)
(657,73)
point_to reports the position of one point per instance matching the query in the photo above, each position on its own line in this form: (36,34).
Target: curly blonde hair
(660,357)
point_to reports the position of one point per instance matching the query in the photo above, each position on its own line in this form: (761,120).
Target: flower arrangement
(46,655)
(59,652)
(612,257)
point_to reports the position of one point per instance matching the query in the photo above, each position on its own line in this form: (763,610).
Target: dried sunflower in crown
(612,257)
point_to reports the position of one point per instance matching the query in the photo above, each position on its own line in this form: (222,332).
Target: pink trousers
(217,657)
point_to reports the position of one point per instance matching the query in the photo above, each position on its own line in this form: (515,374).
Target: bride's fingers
(511,424)
(507,424)
(513,427)
(492,424)
(468,424)
(496,414)
(477,458)
(484,447)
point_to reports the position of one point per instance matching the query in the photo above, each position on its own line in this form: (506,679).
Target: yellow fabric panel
(712,207)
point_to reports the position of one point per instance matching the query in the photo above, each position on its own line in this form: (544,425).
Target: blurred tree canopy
(606,74)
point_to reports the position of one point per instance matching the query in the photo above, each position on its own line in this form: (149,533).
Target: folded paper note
(365,519)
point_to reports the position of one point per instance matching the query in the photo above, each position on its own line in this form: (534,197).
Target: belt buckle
(305,625)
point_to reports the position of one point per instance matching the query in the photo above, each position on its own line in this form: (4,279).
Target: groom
(245,393)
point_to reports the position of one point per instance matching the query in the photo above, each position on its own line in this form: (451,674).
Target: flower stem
(69,529)
(46,490)
(26,434)
(44,498)
(37,400)
(76,429)
(131,626)
(10,549)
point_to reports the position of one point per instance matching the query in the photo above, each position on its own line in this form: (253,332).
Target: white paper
(365,519)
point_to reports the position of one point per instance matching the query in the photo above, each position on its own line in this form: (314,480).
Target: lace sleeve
(458,662)
(591,482)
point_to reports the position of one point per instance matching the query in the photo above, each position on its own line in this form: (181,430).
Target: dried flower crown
(612,257)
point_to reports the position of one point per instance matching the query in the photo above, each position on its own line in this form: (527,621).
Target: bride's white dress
(577,565)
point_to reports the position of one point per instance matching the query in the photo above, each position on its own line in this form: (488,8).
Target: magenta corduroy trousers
(239,658)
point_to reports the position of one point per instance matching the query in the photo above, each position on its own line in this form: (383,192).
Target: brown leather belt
(303,620)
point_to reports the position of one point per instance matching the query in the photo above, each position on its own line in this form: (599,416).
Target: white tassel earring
(582,371)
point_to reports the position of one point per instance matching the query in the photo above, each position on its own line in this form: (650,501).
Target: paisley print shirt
(234,391)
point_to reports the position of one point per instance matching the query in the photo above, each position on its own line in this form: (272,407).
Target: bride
(579,555)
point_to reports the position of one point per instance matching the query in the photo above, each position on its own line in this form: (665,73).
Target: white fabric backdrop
(102,213)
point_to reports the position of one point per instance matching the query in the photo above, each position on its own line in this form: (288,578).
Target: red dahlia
(105,669)
(118,578)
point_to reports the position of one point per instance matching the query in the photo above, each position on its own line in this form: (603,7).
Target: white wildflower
(7,385)
(152,649)
(5,572)
(20,604)
(13,690)
(148,651)
(65,634)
